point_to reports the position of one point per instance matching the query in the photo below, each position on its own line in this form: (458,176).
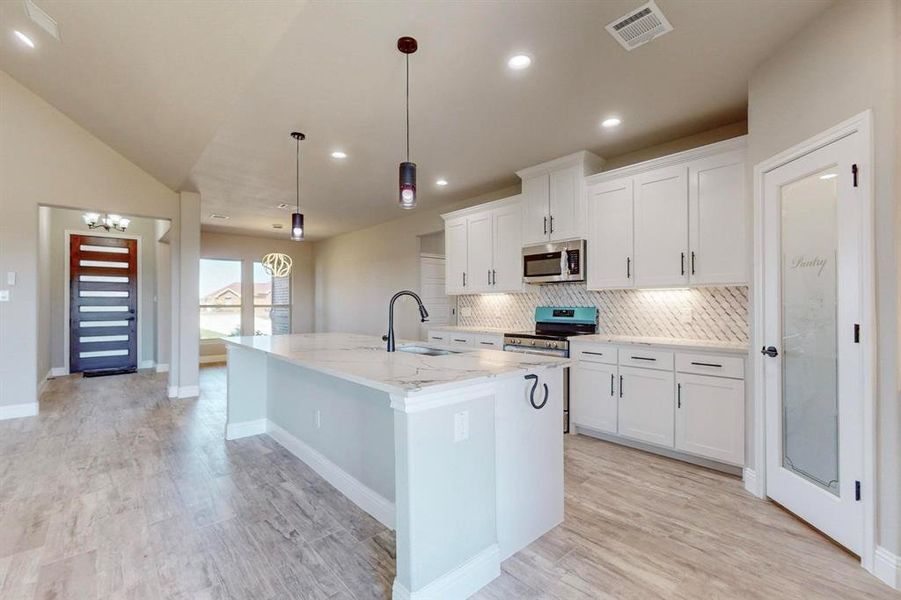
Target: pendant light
(407,178)
(297,217)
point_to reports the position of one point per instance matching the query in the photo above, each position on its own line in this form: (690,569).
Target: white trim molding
(861,123)
(162,367)
(459,583)
(18,411)
(236,431)
(360,494)
(749,476)
(187,391)
(59,371)
(146,364)
(887,567)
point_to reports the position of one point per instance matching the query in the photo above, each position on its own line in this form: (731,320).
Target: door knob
(769,351)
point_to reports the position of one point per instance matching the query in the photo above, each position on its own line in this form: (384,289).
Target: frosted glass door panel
(809,316)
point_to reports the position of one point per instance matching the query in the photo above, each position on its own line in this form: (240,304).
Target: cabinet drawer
(710,364)
(596,354)
(488,342)
(646,359)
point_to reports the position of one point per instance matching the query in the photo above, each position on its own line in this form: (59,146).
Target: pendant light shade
(297,227)
(297,218)
(407,182)
(407,175)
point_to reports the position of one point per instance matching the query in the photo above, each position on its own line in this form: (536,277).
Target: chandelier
(277,264)
(104,221)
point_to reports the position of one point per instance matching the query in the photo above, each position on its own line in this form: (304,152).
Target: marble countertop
(461,328)
(362,359)
(665,342)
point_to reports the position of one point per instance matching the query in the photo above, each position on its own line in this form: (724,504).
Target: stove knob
(532,342)
(554,345)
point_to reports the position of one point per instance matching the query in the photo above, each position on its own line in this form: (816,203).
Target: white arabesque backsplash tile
(715,313)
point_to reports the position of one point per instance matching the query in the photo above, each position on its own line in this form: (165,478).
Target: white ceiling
(204,94)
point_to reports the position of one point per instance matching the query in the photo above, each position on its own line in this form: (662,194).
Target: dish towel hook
(534,379)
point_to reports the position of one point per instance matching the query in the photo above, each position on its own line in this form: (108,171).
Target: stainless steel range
(554,325)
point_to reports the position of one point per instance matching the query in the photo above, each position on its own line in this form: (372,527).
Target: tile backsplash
(715,313)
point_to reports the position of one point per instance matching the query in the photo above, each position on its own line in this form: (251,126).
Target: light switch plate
(11,278)
(461,426)
(4,295)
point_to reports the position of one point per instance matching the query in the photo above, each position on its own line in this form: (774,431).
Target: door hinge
(857,491)
(857,333)
(854,173)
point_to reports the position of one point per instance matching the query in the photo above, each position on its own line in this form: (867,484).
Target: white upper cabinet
(553,197)
(483,248)
(682,219)
(661,227)
(609,250)
(455,255)
(478,253)
(506,228)
(717,230)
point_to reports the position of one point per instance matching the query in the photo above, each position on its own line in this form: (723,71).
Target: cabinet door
(609,242)
(567,204)
(593,396)
(478,253)
(455,255)
(710,415)
(717,230)
(506,225)
(661,228)
(646,405)
(535,209)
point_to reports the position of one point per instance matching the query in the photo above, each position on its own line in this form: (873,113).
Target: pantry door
(813,224)
(103,313)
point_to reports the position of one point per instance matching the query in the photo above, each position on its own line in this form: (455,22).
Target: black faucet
(422,312)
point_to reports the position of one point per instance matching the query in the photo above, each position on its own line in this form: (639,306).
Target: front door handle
(769,351)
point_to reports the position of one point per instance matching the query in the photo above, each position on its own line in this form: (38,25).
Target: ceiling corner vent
(42,19)
(639,26)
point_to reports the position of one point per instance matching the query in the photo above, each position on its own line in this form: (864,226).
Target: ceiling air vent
(42,19)
(639,26)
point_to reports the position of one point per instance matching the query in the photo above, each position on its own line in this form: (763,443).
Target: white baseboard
(887,567)
(17,411)
(43,384)
(146,364)
(235,431)
(460,583)
(363,496)
(162,367)
(187,391)
(213,358)
(59,371)
(752,486)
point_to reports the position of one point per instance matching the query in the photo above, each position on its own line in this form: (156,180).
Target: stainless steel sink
(426,351)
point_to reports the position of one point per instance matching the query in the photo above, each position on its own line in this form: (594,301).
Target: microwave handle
(564,262)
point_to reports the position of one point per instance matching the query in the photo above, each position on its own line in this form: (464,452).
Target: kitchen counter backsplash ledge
(717,314)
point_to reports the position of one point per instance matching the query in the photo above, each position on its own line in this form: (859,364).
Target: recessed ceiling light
(339,154)
(284,206)
(24,38)
(220,217)
(278,226)
(519,62)
(829,176)
(441,182)
(611,122)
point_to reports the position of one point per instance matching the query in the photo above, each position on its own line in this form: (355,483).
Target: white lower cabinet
(466,339)
(646,405)
(691,402)
(593,396)
(710,417)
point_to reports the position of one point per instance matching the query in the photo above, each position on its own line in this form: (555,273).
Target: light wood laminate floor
(114,491)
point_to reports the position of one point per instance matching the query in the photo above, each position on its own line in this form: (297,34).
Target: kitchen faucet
(422,312)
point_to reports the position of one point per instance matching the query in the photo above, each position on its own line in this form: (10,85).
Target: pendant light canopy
(297,217)
(407,175)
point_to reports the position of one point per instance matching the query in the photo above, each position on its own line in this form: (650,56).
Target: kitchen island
(461,453)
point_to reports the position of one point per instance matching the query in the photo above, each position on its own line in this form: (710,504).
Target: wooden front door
(103,304)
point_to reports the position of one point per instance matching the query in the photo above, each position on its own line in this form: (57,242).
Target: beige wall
(249,249)
(358,272)
(697,140)
(47,159)
(837,66)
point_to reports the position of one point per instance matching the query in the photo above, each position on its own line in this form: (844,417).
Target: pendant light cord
(297,171)
(408,108)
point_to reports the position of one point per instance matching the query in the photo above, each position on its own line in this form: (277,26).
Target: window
(220,298)
(271,302)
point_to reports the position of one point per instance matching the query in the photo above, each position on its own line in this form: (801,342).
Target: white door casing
(813,387)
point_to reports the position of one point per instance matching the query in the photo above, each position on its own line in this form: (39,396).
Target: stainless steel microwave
(554,262)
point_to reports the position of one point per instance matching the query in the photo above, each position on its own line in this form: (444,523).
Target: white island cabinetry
(436,447)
